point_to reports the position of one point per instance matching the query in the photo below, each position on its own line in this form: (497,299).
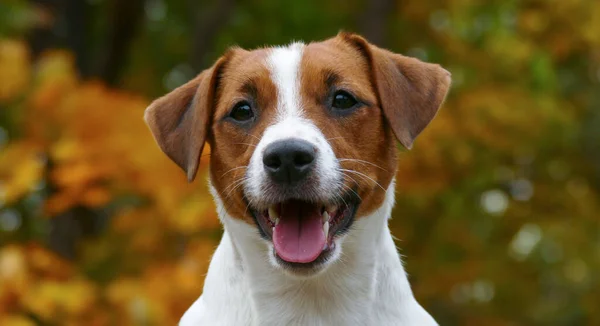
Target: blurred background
(498,211)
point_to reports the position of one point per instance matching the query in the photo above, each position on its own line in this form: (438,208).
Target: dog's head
(302,137)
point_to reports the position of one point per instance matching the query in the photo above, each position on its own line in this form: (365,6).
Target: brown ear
(410,91)
(180,120)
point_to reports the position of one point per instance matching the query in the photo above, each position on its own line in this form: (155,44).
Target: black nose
(289,161)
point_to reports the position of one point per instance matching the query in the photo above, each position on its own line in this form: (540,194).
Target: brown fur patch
(363,135)
(246,77)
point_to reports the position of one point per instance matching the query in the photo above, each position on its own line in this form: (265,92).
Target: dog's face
(302,137)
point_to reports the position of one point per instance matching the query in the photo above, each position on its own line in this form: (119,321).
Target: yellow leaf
(14,68)
(95,197)
(21,168)
(15,321)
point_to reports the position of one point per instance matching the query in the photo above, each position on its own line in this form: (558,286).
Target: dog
(303,157)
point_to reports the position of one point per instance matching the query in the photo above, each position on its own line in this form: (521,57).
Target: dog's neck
(367,286)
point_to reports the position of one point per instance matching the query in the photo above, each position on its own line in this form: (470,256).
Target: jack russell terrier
(302,166)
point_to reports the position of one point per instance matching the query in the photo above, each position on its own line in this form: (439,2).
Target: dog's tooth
(276,221)
(331,208)
(273,213)
(326,229)
(325,216)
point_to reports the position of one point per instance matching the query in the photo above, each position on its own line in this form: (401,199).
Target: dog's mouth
(303,232)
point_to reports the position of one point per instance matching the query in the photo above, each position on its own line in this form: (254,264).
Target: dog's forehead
(334,55)
(294,62)
(246,63)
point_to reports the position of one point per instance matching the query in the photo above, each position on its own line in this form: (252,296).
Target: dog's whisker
(349,177)
(244,144)
(241,183)
(246,210)
(251,135)
(235,184)
(361,161)
(342,198)
(364,176)
(223,207)
(231,170)
(348,187)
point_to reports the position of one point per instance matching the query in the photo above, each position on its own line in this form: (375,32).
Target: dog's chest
(345,300)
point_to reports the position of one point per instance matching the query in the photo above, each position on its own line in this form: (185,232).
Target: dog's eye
(342,100)
(242,112)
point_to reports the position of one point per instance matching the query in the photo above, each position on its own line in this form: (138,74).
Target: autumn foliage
(83,145)
(497,207)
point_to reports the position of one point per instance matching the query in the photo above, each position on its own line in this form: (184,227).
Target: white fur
(284,65)
(367,286)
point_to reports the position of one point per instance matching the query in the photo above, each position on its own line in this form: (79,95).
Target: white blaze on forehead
(284,65)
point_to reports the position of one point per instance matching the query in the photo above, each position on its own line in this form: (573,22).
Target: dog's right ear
(410,91)
(179,121)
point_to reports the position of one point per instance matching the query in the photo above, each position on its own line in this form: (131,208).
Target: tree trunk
(124,22)
(209,22)
(373,23)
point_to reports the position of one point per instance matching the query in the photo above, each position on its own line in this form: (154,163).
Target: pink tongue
(299,236)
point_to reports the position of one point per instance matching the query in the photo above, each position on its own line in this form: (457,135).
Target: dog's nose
(289,161)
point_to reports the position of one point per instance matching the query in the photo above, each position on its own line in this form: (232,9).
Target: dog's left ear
(179,121)
(410,91)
